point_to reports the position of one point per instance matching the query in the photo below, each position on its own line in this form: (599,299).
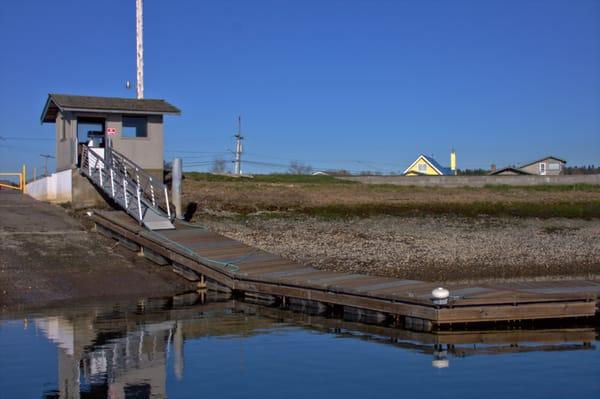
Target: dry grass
(334,198)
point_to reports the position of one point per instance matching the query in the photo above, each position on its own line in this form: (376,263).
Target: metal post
(139,202)
(167,202)
(125,193)
(176,186)
(152,192)
(112,182)
(24,176)
(238,148)
(139,41)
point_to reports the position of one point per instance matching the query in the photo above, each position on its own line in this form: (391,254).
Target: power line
(4,138)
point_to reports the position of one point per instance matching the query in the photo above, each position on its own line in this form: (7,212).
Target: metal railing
(126,183)
(154,190)
(21,175)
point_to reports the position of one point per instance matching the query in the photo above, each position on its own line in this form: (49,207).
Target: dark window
(134,126)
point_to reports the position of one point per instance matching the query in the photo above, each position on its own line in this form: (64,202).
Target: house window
(553,166)
(542,168)
(422,167)
(134,126)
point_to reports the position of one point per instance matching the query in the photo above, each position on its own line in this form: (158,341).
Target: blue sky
(349,84)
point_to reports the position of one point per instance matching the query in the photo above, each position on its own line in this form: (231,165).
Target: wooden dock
(224,264)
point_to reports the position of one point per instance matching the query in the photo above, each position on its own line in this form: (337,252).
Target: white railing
(126,183)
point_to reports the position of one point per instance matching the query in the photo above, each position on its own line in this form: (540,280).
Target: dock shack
(132,127)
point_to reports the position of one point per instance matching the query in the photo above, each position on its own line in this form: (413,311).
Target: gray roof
(65,102)
(542,159)
(509,169)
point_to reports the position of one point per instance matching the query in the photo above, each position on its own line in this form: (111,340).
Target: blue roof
(444,170)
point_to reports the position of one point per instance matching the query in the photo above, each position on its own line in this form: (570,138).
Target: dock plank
(254,270)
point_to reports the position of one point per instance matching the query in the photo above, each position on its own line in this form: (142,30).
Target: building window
(422,167)
(553,166)
(542,168)
(134,126)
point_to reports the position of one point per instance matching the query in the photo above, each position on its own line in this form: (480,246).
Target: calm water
(229,349)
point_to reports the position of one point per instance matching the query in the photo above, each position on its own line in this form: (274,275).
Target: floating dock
(227,265)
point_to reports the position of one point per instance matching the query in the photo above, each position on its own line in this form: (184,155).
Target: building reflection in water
(123,353)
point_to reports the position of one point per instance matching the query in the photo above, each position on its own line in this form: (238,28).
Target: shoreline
(429,248)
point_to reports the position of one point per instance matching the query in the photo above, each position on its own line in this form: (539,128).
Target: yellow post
(23,178)
(453,161)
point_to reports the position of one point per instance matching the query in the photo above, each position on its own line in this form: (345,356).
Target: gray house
(135,127)
(547,166)
(132,127)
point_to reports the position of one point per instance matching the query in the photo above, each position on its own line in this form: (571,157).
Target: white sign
(111,131)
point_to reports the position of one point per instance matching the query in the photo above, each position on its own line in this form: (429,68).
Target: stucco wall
(148,152)
(476,181)
(66,137)
(145,151)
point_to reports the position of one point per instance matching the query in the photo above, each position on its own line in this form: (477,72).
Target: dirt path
(47,256)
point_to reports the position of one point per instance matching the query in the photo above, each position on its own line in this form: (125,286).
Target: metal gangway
(132,189)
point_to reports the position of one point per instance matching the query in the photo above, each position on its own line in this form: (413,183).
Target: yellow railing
(22,175)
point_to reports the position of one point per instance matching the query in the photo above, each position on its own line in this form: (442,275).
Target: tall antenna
(139,41)
(238,148)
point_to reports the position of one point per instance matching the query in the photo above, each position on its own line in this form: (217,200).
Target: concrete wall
(84,193)
(54,188)
(475,181)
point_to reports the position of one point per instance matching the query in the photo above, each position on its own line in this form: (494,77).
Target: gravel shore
(433,248)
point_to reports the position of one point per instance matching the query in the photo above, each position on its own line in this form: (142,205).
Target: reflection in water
(124,352)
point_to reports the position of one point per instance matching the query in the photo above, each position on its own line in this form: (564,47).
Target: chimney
(453,161)
(493,168)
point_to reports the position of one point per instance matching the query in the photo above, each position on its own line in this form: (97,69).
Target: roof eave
(120,111)
(45,110)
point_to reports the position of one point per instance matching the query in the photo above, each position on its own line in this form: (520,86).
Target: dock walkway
(230,265)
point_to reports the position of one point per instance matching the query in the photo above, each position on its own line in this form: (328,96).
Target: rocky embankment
(431,248)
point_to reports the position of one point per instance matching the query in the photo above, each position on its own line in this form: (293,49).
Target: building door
(90,131)
(542,168)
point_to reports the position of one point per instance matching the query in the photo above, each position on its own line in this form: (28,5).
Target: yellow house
(427,166)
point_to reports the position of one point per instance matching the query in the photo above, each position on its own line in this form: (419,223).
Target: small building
(547,166)
(132,127)
(427,166)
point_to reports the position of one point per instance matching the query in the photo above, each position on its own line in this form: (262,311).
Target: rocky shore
(434,248)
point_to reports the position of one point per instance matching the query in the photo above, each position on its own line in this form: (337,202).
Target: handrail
(148,185)
(119,177)
(22,175)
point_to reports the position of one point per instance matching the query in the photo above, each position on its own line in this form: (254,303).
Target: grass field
(328,197)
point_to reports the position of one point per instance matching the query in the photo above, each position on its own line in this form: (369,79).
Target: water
(164,348)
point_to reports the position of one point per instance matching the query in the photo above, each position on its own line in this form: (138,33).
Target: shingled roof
(65,102)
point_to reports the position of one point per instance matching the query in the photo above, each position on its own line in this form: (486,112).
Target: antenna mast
(139,41)
(238,148)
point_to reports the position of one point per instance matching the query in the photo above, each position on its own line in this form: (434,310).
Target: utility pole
(238,148)
(46,157)
(139,41)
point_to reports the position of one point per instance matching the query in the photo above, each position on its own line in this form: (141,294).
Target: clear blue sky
(355,84)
